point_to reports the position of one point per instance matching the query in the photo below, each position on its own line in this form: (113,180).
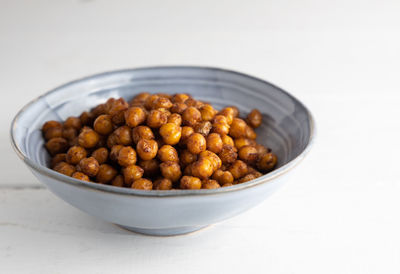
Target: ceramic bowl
(288,129)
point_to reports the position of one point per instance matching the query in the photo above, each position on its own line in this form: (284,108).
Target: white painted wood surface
(339,214)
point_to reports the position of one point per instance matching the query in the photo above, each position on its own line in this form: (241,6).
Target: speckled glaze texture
(287,128)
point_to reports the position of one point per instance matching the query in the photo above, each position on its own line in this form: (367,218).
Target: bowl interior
(286,128)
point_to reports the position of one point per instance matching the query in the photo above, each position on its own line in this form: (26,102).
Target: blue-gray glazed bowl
(288,128)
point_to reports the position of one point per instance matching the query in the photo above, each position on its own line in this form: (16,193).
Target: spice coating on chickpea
(88,138)
(196,143)
(156,118)
(203,168)
(227,154)
(103,124)
(171,170)
(171,133)
(101,155)
(203,128)
(80,176)
(134,116)
(248,154)
(223,177)
(53,133)
(142,132)
(89,166)
(147,149)
(75,154)
(73,122)
(106,173)
(214,142)
(190,182)
(238,169)
(168,153)
(191,116)
(210,184)
(56,145)
(64,168)
(143,184)
(267,162)
(151,167)
(254,118)
(132,173)
(60,157)
(118,181)
(175,118)
(186,157)
(126,156)
(162,184)
(51,124)
(123,135)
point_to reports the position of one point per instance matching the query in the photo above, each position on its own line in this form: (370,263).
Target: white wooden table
(340,212)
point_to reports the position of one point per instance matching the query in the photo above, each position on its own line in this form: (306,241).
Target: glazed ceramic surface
(288,129)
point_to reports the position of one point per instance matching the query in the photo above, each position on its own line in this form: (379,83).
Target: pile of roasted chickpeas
(159,141)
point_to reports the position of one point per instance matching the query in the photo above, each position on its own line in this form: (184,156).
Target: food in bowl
(161,142)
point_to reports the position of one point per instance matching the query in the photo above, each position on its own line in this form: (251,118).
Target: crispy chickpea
(203,168)
(229,113)
(186,132)
(191,116)
(214,142)
(80,176)
(171,170)
(220,119)
(203,128)
(267,162)
(53,132)
(238,128)
(254,118)
(241,142)
(132,173)
(162,184)
(168,153)
(261,150)
(247,178)
(88,138)
(141,97)
(98,110)
(196,143)
(51,124)
(101,155)
(143,184)
(123,135)
(207,112)
(73,122)
(118,181)
(134,116)
(75,154)
(56,145)
(86,118)
(194,103)
(186,157)
(151,167)
(103,124)
(253,171)
(162,102)
(188,170)
(215,160)
(210,184)
(60,157)
(227,154)
(165,95)
(180,98)
(250,133)
(89,166)
(227,184)
(116,108)
(238,169)
(106,174)
(147,149)
(190,182)
(115,152)
(142,132)
(175,118)
(223,177)
(112,140)
(126,156)
(227,140)
(156,118)
(69,133)
(248,154)
(178,108)
(171,133)
(220,128)
(150,101)
(64,168)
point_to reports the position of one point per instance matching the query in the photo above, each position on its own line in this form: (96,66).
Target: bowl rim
(267,178)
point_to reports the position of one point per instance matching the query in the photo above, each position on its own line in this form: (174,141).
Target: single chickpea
(101,155)
(165,95)
(60,157)
(134,116)
(86,118)
(186,157)
(188,170)
(162,184)
(247,178)
(227,140)
(89,166)
(162,102)
(214,142)
(168,153)
(191,116)
(180,98)
(142,132)
(143,184)
(220,128)
(210,184)
(171,133)
(196,143)
(123,135)
(238,128)
(234,111)
(253,171)
(141,97)
(223,177)
(132,173)
(64,168)
(147,149)
(75,154)
(202,168)
(98,110)
(88,138)
(178,108)
(150,101)
(106,174)
(51,124)
(56,145)
(171,170)
(190,182)
(103,124)
(227,184)
(228,154)
(254,118)
(53,132)
(203,128)
(250,133)
(151,167)
(118,181)
(80,176)
(238,169)
(220,119)
(156,118)
(261,150)
(186,132)
(115,152)
(175,118)
(69,134)
(73,122)
(241,142)
(207,112)
(126,156)
(215,160)
(248,154)
(267,162)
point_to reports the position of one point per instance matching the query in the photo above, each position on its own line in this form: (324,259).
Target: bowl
(287,128)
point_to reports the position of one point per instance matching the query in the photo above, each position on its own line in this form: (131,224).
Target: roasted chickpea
(261,150)
(171,133)
(227,184)
(180,98)
(227,154)
(115,152)
(132,173)
(151,167)
(254,118)
(248,154)
(89,166)
(69,134)
(141,97)
(157,118)
(149,104)
(207,112)
(178,108)
(191,116)
(88,138)
(116,108)
(175,118)
(220,128)
(56,145)
(267,162)
(203,168)
(190,182)
(227,140)
(101,155)
(118,181)
(214,142)
(229,113)
(162,184)
(186,132)
(215,160)
(123,135)
(73,122)
(75,154)
(250,133)
(223,177)
(203,128)
(247,178)
(134,116)
(147,149)
(194,103)
(103,124)
(126,156)
(106,174)
(196,143)
(143,184)
(142,132)
(98,110)
(50,124)
(210,184)
(60,157)
(162,102)
(253,171)
(238,169)
(188,170)
(53,133)
(238,128)
(64,168)
(80,176)
(168,153)
(86,118)
(171,170)
(186,157)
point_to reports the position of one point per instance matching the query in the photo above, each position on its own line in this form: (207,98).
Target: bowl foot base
(164,231)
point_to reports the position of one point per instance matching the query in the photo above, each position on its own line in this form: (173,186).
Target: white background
(340,211)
